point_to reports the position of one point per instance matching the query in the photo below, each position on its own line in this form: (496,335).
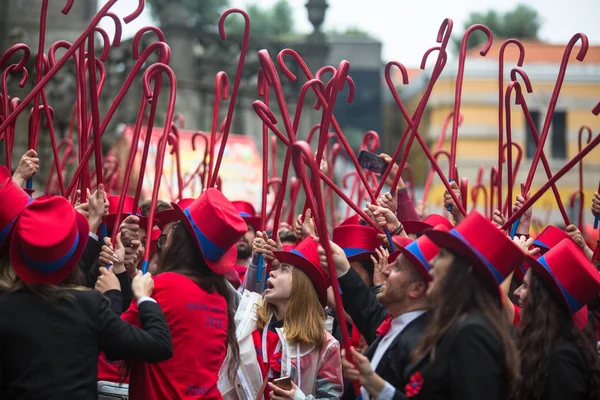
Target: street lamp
(316,15)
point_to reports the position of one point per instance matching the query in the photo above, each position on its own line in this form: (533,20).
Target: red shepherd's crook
(437,148)
(521,101)
(559,174)
(236,84)
(302,157)
(221,93)
(579,191)
(501,96)
(154,71)
(553,100)
(164,56)
(78,42)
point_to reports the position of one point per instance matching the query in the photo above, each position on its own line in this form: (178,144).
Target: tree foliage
(268,22)
(523,22)
(264,21)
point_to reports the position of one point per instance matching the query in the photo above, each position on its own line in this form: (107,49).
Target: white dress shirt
(398,325)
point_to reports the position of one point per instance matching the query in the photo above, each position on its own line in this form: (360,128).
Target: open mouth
(269,284)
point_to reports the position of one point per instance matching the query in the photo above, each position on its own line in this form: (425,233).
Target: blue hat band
(415,250)
(298,253)
(574,304)
(210,251)
(354,251)
(246,215)
(540,243)
(51,266)
(497,275)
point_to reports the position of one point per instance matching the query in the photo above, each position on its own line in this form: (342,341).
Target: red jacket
(198,324)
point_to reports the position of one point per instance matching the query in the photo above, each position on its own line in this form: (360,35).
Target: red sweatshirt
(198,324)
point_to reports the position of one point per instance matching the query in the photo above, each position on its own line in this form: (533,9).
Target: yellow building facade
(478,135)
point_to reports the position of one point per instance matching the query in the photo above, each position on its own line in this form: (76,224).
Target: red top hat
(13,201)
(306,257)
(491,253)
(418,227)
(358,242)
(549,237)
(217,226)
(113,207)
(248,213)
(569,274)
(167,216)
(419,252)
(353,220)
(47,241)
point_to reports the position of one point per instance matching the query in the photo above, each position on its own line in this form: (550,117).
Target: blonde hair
(304,317)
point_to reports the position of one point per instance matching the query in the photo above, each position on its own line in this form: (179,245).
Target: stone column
(176,24)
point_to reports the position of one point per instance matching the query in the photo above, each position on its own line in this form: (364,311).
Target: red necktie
(385,326)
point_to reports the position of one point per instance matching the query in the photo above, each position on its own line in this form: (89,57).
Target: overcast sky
(408,28)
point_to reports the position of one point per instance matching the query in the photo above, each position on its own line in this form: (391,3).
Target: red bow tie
(385,326)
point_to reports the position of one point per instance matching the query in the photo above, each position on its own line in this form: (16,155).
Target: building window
(530,146)
(559,135)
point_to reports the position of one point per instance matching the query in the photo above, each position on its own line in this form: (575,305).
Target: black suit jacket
(469,364)
(49,350)
(567,373)
(367,313)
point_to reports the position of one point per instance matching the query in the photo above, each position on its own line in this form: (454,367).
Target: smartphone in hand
(284,383)
(372,162)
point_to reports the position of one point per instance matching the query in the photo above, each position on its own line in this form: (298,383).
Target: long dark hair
(183,256)
(544,321)
(48,293)
(460,293)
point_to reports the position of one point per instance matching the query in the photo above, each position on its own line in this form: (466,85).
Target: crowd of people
(449,309)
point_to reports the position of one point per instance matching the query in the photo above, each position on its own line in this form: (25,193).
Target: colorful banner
(241,167)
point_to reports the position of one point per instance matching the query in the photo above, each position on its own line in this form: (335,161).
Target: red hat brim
(253,221)
(225,263)
(580,318)
(453,243)
(415,227)
(314,274)
(33,277)
(166,217)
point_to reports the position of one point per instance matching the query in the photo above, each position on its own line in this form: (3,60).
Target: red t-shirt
(109,370)
(198,324)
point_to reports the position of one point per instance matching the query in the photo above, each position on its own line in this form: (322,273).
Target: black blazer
(49,350)
(367,313)
(469,364)
(567,373)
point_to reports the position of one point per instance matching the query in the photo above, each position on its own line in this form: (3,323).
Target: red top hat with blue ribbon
(490,252)
(47,241)
(419,252)
(165,217)
(418,227)
(358,242)
(217,226)
(248,213)
(13,201)
(549,237)
(570,275)
(306,257)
